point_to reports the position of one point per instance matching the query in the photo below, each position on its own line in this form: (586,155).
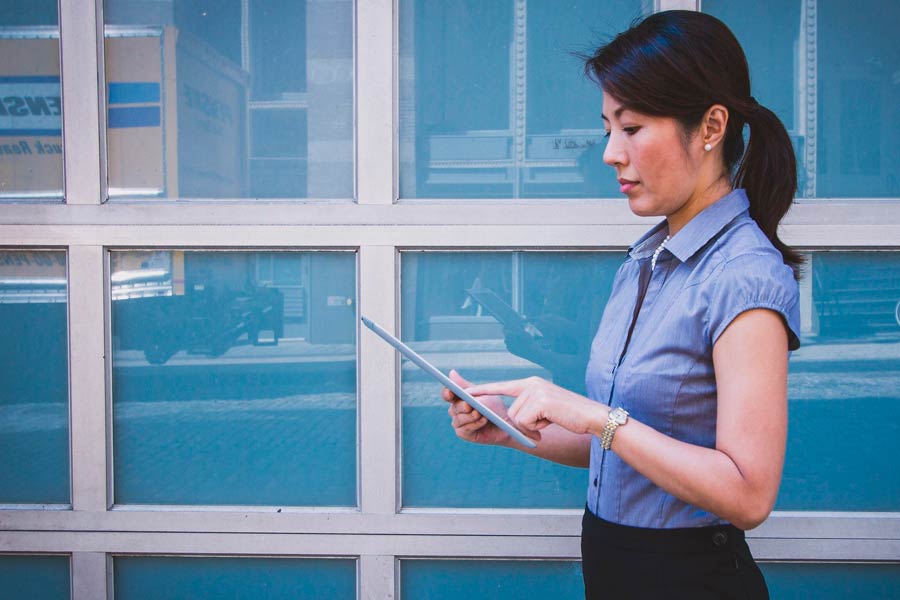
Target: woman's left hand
(540,402)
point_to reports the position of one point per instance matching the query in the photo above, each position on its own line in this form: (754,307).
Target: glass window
(489,579)
(173,578)
(816,64)
(449,312)
(31,160)
(34,577)
(234,377)
(847,371)
(493,103)
(832,581)
(213,99)
(34,396)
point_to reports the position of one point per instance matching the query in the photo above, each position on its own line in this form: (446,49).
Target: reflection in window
(234,377)
(847,369)
(36,577)
(829,70)
(172,578)
(31,160)
(34,395)
(488,579)
(229,99)
(494,316)
(493,102)
(832,581)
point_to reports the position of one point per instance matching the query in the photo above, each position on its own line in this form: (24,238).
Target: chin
(642,208)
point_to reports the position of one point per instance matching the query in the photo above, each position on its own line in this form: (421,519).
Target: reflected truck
(197,310)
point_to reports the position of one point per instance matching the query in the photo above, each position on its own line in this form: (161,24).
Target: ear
(713,126)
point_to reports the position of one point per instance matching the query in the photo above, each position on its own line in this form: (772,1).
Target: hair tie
(754,106)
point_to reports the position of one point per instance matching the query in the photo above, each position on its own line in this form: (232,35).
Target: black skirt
(694,563)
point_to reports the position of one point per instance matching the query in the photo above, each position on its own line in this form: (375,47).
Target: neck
(697,202)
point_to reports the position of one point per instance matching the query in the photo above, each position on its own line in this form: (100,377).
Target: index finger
(511,388)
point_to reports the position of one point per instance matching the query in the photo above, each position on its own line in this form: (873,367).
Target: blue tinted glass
(833,581)
(561,295)
(34,577)
(249,100)
(174,578)
(31,160)
(234,377)
(489,579)
(816,65)
(844,384)
(34,395)
(493,102)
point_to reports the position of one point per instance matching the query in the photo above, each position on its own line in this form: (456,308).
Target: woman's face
(654,169)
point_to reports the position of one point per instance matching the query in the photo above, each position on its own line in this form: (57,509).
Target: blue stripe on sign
(136,116)
(29,132)
(133,93)
(30,79)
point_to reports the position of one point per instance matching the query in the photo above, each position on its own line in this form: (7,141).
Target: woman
(684,424)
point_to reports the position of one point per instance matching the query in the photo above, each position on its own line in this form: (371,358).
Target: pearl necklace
(657,251)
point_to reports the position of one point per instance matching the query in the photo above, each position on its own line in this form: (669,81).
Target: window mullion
(375,147)
(80,74)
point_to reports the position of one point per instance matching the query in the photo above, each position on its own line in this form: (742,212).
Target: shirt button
(595,482)
(719,538)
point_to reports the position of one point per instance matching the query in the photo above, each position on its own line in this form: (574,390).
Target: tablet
(502,311)
(447,382)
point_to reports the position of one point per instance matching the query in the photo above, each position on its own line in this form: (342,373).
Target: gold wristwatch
(617,416)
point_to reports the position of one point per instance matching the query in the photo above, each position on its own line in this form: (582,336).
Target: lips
(626,185)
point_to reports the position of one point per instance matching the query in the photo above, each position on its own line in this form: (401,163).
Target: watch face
(619,416)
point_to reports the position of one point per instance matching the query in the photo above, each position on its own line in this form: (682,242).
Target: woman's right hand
(468,423)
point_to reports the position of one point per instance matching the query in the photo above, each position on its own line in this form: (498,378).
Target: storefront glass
(494,102)
(173,578)
(453,307)
(489,579)
(36,577)
(213,99)
(31,158)
(34,394)
(829,70)
(234,377)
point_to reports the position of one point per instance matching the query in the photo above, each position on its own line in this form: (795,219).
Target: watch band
(617,416)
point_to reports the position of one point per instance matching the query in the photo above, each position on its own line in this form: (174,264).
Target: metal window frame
(378,228)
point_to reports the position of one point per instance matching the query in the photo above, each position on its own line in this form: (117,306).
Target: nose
(614,153)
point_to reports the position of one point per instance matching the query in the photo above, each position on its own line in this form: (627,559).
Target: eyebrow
(617,113)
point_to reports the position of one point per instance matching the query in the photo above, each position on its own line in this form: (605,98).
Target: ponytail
(768,172)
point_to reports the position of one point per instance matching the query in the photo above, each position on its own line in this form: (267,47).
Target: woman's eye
(628,130)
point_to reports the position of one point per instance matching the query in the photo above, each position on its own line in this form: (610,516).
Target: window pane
(169,577)
(31,162)
(562,295)
(845,380)
(493,104)
(34,577)
(832,581)
(816,67)
(211,99)
(489,579)
(234,377)
(34,396)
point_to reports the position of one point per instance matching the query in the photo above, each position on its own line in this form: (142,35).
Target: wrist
(598,420)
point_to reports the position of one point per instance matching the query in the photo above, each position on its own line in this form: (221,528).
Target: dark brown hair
(677,64)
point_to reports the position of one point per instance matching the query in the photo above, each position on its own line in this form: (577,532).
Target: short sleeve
(754,281)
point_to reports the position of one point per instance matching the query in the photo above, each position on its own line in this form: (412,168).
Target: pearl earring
(707,147)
